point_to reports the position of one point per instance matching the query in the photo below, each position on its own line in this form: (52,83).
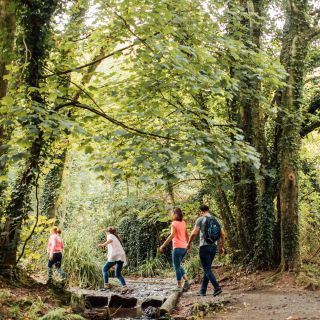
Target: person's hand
(188,246)
(222,251)
(51,257)
(161,249)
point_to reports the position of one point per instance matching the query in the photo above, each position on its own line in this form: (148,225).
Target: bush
(141,232)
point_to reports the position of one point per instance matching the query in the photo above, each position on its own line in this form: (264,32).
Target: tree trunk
(229,221)
(7,27)
(250,197)
(35,23)
(7,35)
(51,187)
(293,55)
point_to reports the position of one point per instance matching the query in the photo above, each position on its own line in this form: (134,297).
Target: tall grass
(82,261)
(153,266)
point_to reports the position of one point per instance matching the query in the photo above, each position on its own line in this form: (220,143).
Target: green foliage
(82,261)
(140,231)
(35,253)
(61,314)
(192,264)
(310,197)
(152,267)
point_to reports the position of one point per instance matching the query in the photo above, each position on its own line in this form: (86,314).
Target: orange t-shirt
(180,239)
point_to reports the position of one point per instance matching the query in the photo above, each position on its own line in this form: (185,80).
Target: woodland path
(251,297)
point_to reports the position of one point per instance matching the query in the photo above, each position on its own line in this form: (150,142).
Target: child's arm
(101,245)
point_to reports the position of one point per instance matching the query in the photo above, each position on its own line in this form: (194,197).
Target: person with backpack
(210,232)
(116,257)
(179,238)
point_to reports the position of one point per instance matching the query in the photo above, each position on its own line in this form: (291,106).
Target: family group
(206,226)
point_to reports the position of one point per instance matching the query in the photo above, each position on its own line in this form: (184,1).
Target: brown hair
(113,231)
(177,214)
(55,229)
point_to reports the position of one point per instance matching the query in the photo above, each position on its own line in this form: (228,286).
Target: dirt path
(256,305)
(252,297)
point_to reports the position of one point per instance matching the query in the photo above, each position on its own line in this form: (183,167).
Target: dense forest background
(113,112)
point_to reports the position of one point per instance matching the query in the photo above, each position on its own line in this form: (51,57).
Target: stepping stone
(96,301)
(122,302)
(155,302)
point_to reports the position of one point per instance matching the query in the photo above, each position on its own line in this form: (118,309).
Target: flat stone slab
(155,302)
(117,301)
(93,301)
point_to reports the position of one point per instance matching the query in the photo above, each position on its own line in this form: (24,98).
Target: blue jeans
(177,257)
(118,274)
(207,254)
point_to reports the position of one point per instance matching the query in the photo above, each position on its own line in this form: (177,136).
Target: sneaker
(125,290)
(186,286)
(217,292)
(200,294)
(105,288)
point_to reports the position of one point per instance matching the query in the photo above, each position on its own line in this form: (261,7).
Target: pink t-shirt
(180,239)
(55,244)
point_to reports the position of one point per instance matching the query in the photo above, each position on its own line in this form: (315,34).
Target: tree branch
(91,63)
(309,128)
(112,120)
(314,33)
(127,25)
(188,180)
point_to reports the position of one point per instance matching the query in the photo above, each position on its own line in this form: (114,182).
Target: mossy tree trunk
(294,51)
(7,36)
(35,21)
(253,198)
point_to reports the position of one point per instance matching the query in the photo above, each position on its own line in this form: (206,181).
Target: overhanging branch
(112,120)
(90,63)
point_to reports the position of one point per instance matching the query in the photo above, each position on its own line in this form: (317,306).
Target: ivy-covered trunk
(35,20)
(252,200)
(7,36)
(293,55)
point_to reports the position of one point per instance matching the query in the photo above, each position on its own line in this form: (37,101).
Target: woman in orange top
(179,237)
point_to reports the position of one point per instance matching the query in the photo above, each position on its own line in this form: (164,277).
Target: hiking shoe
(201,294)
(217,292)
(186,286)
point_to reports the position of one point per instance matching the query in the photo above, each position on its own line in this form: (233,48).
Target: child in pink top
(179,237)
(54,251)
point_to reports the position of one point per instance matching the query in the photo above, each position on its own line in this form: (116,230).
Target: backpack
(212,230)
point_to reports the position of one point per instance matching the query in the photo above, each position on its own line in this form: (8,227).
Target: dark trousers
(56,260)
(207,254)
